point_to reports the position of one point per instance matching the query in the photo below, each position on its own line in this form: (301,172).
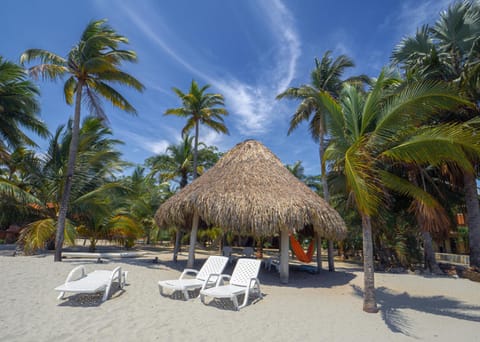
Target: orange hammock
(299,252)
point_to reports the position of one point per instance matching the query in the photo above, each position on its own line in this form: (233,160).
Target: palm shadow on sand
(391,304)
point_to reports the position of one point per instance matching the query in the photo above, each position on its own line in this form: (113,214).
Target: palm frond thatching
(249,190)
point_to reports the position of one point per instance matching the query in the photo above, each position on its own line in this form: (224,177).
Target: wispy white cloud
(144,143)
(282,24)
(157,147)
(252,104)
(413,14)
(212,138)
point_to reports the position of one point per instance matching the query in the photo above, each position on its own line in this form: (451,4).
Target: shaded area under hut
(249,190)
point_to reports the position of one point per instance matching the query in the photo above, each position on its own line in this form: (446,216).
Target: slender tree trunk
(72,155)
(473,217)
(369,301)
(176,249)
(193,233)
(429,254)
(326,197)
(193,241)
(178,234)
(195,152)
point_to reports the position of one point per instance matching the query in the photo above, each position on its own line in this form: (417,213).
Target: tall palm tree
(450,51)
(198,108)
(326,77)
(92,65)
(378,132)
(18,108)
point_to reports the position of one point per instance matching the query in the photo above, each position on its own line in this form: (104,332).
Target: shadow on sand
(391,304)
(90,300)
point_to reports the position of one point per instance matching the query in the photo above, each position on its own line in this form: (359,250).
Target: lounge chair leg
(235,302)
(105,295)
(60,296)
(185,294)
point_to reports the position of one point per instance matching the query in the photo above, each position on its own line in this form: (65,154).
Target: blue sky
(247,50)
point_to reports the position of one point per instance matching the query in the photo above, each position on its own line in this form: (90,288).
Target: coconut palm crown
(18,107)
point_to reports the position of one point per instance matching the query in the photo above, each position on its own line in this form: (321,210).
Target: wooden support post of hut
(284,250)
(319,252)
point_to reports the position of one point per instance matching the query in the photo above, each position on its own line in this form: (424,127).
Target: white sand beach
(312,307)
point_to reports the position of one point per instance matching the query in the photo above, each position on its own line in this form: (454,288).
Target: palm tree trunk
(369,301)
(430,261)
(176,249)
(193,233)
(473,217)
(326,197)
(193,241)
(72,155)
(195,151)
(429,254)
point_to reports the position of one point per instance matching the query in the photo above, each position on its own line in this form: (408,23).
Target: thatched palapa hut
(250,190)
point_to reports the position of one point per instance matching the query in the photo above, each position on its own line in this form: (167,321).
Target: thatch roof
(250,190)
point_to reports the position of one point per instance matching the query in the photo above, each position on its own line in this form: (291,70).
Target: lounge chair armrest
(221,278)
(73,272)
(188,270)
(207,281)
(253,281)
(117,274)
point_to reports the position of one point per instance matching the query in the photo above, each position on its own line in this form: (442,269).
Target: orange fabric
(299,252)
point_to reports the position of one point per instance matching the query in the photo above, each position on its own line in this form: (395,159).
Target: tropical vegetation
(399,153)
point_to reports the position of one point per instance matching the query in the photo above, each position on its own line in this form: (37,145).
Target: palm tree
(298,171)
(376,133)
(92,66)
(144,197)
(450,51)
(176,163)
(199,108)
(18,108)
(326,77)
(97,159)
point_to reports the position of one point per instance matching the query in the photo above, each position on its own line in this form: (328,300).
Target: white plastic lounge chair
(214,264)
(96,281)
(243,281)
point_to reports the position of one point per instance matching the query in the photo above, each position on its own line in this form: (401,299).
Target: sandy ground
(312,307)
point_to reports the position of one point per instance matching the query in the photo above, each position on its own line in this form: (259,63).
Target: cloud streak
(251,104)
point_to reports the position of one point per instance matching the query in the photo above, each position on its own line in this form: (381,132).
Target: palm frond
(114,97)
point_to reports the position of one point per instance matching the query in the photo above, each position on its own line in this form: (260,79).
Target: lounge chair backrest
(227,251)
(248,252)
(214,264)
(244,270)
